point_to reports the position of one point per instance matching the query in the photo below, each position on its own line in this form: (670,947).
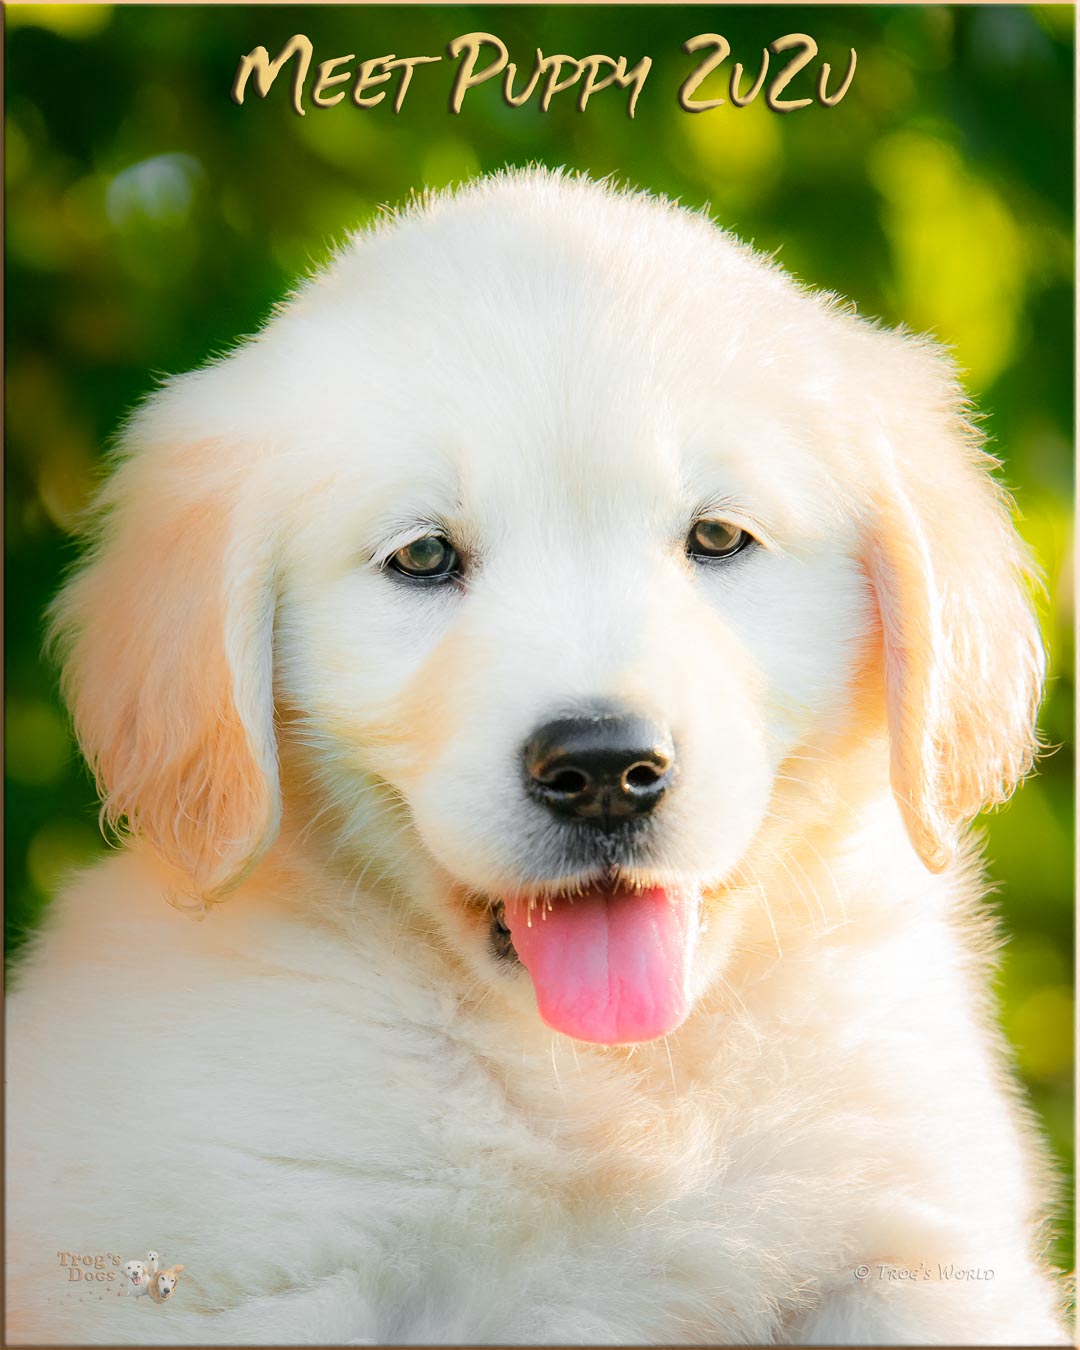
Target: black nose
(603,768)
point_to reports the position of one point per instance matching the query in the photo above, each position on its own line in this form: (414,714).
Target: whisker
(768,911)
(671,1065)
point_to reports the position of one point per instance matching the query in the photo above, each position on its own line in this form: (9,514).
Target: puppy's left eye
(716,539)
(431,558)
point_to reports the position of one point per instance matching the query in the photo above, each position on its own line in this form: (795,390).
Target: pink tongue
(610,966)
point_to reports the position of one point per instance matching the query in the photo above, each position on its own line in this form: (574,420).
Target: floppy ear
(963,657)
(165,638)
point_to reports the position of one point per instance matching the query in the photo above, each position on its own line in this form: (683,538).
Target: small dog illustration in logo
(163,1284)
(138,1278)
(148,1277)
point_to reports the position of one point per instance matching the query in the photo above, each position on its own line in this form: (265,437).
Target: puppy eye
(716,539)
(431,558)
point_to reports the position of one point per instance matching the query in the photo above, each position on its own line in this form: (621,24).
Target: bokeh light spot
(159,191)
(37,746)
(70,21)
(1042,1030)
(740,148)
(66,479)
(448,161)
(961,264)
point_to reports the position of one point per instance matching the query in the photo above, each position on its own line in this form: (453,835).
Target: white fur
(352,1087)
(138,1278)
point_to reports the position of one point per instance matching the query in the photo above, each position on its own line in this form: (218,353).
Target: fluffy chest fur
(430,1170)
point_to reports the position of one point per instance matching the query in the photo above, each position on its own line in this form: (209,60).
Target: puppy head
(164,1283)
(554,525)
(135,1272)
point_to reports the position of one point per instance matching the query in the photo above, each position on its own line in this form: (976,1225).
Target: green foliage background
(150,221)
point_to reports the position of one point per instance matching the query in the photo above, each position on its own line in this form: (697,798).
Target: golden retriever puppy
(163,1284)
(138,1278)
(546,676)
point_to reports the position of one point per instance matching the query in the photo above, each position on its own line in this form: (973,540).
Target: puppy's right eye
(431,558)
(710,539)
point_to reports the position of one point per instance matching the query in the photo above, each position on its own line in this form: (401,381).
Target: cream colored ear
(963,657)
(165,638)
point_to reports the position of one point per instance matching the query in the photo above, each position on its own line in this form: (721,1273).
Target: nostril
(567,782)
(641,776)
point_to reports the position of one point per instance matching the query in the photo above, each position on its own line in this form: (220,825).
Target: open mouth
(610,962)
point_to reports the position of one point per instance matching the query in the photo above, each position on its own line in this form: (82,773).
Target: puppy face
(587,562)
(164,1284)
(595,547)
(554,524)
(135,1272)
